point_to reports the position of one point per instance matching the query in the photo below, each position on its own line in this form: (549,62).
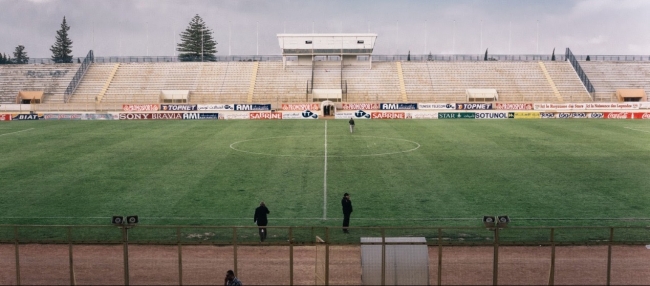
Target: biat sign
(252,107)
(398,106)
(27,117)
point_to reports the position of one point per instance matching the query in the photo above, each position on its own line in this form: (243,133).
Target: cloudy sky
(148,27)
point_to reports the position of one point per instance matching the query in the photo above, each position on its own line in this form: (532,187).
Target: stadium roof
(327,44)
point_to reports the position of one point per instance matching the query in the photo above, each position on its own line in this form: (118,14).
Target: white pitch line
(338,218)
(637,130)
(16,132)
(325,177)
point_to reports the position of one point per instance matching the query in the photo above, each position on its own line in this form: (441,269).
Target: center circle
(314,146)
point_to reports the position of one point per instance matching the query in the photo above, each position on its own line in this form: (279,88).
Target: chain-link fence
(319,255)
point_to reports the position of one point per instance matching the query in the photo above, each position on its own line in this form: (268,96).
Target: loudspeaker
(132,219)
(489,221)
(117,220)
(503,220)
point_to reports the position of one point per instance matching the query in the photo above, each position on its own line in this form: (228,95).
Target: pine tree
(430,57)
(2,59)
(553,55)
(20,56)
(197,43)
(61,50)
(588,58)
(485,57)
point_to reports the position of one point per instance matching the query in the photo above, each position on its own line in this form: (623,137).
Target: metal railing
(78,76)
(581,74)
(375,58)
(605,253)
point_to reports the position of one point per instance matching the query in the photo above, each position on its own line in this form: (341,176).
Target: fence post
(125,246)
(180,256)
(551,274)
(290,255)
(383,256)
(495,263)
(327,256)
(609,255)
(17,255)
(70,259)
(234,242)
(439,256)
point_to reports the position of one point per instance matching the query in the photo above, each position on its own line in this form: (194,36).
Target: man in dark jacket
(260,219)
(351,124)
(347,210)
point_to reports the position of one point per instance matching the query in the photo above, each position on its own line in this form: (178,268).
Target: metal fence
(201,254)
(581,74)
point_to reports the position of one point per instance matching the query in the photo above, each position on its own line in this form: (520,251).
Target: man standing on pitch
(351,124)
(347,210)
(260,219)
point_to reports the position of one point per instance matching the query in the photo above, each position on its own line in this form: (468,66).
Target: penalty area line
(16,132)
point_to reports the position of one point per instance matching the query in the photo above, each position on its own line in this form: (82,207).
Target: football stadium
(490,169)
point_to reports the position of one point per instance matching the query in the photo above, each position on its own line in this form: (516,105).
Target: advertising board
(178,107)
(387,115)
(473,106)
(306,114)
(438,106)
(422,115)
(456,115)
(359,114)
(27,116)
(63,116)
(200,116)
(140,107)
(252,107)
(265,115)
(398,106)
(151,116)
(491,115)
(513,106)
(234,116)
(524,115)
(215,107)
(5,117)
(360,106)
(300,106)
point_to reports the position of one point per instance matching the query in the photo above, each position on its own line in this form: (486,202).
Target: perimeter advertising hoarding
(200,116)
(27,116)
(587,106)
(63,116)
(422,115)
(439,106)
(151,116)
(234,116)
(513,106)
(473,106)
(619,115)
(388,115)
(642,105)
(265,115)
(5,117)
(398,106)
(300,106)
(360,106)
(140,107)
(305,114)
(491,115)
(252,107)
(456,115)
(359,114)
(215,107)
(178,107)
(524,115)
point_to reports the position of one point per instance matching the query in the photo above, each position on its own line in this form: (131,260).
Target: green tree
(553,55)
(20,56)
(588,58)
(485,58)
(197,43)
(61,50)
(2,59)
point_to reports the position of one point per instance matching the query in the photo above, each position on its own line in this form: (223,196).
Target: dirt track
(102,264)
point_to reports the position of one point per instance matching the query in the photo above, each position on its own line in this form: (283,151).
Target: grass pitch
(415,172)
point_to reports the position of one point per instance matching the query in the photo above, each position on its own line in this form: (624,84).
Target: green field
(415,172)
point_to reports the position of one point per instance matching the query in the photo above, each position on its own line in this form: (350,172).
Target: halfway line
(325,177)
(16,132)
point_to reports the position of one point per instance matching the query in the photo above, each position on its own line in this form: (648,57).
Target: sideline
(16,132)
(325,178)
